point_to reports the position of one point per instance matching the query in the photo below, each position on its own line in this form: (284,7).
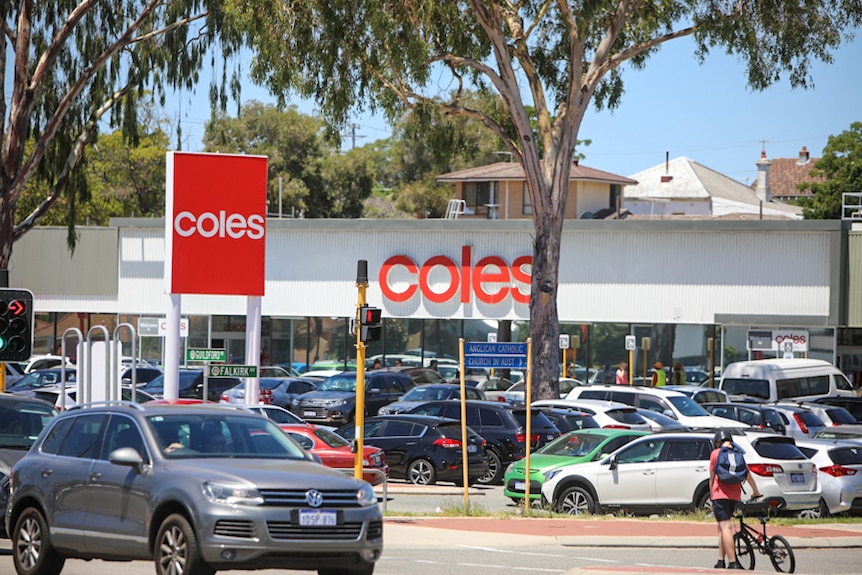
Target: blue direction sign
(495,354)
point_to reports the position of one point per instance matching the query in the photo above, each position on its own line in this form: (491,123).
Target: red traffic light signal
(16,324)
(369,324)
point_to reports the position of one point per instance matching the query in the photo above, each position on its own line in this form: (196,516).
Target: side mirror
(612,462)
(354,446)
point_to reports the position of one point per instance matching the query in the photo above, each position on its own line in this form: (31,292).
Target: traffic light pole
(361,285)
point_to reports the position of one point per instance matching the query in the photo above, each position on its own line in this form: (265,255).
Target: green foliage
(841,165)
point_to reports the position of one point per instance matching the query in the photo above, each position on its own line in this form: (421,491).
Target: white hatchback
(839,469)
(609,414)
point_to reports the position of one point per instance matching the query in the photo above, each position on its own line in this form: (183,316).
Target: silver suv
(194,488)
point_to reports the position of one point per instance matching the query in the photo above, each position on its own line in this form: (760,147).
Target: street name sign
(232,370)
(495,354)
(203,354)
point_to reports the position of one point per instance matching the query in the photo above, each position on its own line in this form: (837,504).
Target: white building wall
(639,272)
(663,207)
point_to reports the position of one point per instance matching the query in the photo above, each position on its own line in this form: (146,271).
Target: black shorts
(723,509)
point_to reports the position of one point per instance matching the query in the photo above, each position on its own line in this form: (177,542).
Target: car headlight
(232,493)
(295,401)
(509,468)
(366,496)
(335,402)
(551,474)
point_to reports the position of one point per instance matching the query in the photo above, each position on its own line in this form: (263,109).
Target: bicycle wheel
(744,552)
(781,554)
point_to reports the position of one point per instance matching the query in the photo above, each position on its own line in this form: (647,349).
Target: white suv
(671,470)
(671,403)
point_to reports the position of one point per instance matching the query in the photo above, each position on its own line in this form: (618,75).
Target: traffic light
(16,324)
(369,324)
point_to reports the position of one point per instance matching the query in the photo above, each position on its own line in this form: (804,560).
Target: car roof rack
(108,402)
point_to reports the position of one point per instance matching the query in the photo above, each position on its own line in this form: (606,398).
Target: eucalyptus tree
(69,68)
(557,56)
(840,167)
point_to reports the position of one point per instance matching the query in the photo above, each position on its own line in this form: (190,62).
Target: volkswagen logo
(314,497)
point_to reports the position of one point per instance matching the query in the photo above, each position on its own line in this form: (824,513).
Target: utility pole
(352,134)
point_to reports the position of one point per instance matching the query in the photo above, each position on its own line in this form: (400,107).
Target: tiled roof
(514,172)
(786,173)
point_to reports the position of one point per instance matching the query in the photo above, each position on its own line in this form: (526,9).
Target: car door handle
(95,476)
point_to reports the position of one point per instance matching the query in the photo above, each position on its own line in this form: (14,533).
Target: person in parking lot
(678,373)
(622,375)
(659,377)
(725,497)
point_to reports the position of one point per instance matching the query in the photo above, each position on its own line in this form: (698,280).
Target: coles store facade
(735,282)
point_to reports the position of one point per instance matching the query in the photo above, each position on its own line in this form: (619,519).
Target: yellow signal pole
(528,394)
(464,436)
(362,285)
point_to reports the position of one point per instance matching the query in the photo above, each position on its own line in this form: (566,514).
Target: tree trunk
(544,319)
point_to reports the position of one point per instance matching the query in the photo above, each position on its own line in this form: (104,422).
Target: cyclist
(725,497)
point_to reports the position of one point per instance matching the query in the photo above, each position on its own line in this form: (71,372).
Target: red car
(334,450)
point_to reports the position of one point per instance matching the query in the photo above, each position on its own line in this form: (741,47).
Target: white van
(778,379)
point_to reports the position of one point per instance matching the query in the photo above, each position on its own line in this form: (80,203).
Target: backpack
(730,466)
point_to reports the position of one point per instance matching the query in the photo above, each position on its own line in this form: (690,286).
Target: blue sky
(674,105)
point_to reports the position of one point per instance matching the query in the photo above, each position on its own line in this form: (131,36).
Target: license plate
(520,486)
(316,518)
(309,413)
(472,449)
(550,437)
(797,478)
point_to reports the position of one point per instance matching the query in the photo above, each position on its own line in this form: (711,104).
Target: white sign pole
(172,347)
(252,348)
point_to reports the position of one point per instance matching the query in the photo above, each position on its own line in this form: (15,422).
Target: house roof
(513,171)
(683,179)
(786,173)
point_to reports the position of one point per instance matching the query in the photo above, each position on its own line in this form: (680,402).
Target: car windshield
(279,415)
(574,444)
(338,383)
(41,379)
(427,393)
(21,422)
(751,387)
(778,448)
(194,435)
(330,438)
(686,406)
(157,384)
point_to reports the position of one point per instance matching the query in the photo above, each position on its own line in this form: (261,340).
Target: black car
(21,422)
(423,449)
(41,378)
(191,385)
(334,400)
(503,427)
(569,419)
(429,392)
(754,414)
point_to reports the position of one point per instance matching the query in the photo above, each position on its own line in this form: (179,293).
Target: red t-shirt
(719,490)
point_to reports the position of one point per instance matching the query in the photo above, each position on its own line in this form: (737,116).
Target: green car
(577,446)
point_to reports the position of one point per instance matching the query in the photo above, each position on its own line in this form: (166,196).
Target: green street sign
(232,371)
(203,354)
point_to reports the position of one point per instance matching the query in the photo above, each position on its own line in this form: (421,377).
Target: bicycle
(776,547)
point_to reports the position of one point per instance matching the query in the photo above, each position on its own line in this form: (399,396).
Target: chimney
(762,191)
(803,156)
(666,177)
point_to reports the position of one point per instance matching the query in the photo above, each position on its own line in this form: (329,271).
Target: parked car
(671,403)
(334,400)
(53,396)
(418,374)
(567,419)
(660,422)
(276,371)
(191,385)
(799,422)
(424,450)
(502,427)
(21,421)
(671,470)
(335,451)
(143,374)
(570,448)
(492,387)
(781,379)
(216,487)
(700,394)
(37,362)
(840,432)
(278,415)
(280,391)
(839,470)
(754,414)
(41,378)
(14,372)
(695,376)
(429,392)
(851,404)
(612,414)
(829,414)
(516,394)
